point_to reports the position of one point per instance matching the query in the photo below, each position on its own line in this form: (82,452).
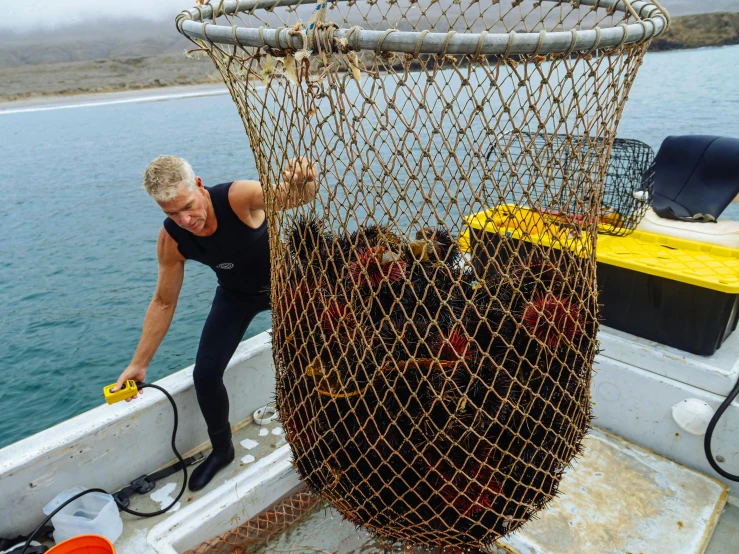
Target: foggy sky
(25,15)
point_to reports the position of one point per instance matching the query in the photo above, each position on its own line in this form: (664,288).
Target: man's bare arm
(298,187)
(161,308)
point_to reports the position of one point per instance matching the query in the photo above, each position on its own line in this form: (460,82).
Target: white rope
(317,19)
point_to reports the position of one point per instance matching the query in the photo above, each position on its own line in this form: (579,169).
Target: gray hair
(163,176)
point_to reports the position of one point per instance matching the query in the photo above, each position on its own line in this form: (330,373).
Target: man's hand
(134,373)
(297,187)
(299,171)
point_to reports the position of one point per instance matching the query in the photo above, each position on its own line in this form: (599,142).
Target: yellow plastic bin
(677,292)
(517,222)
(510,231)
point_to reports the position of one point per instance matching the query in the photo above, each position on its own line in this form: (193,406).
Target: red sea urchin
(335,315)
(471,492)
(297,305)
(454,346)
(373,265)
(549,317)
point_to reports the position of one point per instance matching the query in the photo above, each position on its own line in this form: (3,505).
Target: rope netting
(258,532)
(430,393)
(302,523)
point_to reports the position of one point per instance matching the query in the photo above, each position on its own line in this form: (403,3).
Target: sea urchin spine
(549,317)
(373,265)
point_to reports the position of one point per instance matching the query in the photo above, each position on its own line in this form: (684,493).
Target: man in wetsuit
(225,228)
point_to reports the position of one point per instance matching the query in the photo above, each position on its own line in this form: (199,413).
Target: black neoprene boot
(222,455)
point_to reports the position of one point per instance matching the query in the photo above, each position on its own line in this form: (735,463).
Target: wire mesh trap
(430,397)
(627,187)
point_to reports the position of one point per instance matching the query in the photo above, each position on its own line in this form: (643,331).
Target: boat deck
(89,450)
(725,538)
(251,442)
(667,491)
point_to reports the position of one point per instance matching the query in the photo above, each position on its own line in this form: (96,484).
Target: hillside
(695,31)
(105,40)
(118,74)
(147,55)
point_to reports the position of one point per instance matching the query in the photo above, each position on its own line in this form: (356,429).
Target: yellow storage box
(536,227)
(674,291)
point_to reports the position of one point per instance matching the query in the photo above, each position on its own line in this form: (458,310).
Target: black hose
(709,433)
(128,510)
(52,514)
(174,449)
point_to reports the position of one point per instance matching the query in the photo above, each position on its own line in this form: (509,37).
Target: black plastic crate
(677,292)
(684,316)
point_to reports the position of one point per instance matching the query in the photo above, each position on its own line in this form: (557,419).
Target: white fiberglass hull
(636,383)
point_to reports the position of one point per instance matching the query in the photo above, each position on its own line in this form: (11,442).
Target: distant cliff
(695,31)
(70,65)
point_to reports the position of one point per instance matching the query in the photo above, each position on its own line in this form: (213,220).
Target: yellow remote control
(128,390)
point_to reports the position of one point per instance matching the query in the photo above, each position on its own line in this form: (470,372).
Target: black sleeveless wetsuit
(239,255)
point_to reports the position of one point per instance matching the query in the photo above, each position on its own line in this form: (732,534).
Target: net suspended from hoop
(430,394)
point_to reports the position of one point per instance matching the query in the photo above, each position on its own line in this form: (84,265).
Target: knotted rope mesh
(432,395)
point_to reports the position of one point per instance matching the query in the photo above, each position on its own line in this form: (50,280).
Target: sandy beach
(154,94)
(103,76)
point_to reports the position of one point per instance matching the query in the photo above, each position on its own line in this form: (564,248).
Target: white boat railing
(109,446)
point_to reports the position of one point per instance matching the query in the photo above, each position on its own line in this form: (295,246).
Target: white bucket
(95,513)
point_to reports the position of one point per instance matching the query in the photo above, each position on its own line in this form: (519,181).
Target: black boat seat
(695,177)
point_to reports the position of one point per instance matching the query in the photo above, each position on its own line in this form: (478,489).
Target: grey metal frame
(194,24)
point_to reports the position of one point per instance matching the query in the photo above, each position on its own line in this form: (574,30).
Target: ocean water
(78,260)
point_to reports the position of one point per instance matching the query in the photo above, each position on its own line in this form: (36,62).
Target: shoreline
(91,99)
(154,93)
(54,85)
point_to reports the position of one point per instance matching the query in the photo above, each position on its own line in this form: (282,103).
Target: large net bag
(430,395)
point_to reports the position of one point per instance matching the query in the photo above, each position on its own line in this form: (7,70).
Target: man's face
(189,209)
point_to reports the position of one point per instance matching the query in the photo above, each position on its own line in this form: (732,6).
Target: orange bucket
(84,544)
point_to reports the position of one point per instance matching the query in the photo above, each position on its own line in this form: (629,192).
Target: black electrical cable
(174,449)
(128,510)
(75,497)
(709,433)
